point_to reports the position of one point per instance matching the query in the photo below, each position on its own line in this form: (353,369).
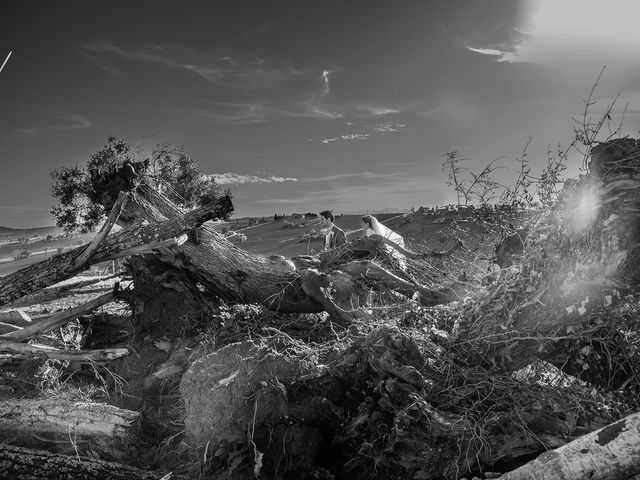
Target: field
(276,239)
(40,250)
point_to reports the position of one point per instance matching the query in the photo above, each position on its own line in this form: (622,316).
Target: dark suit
(336,237)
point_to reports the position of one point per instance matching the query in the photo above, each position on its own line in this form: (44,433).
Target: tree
(85,194)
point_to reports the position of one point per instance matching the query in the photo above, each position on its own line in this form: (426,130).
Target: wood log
(15,317)
(235,275)
(28,417)
(62,266)
(23,349)
(610,453)
(58,319)
(18,463)
(52,293)
(113,216)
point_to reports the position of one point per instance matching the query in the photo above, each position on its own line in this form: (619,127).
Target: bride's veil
(386,232)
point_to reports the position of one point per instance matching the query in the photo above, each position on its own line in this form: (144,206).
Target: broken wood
(62,266)
(19,463)
(113,216)
(104,355)
(52,293)
(58,319)
(15,317)
(610,453)
(277,283)
(25,418)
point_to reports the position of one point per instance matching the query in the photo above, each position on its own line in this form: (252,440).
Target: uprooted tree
(439,397)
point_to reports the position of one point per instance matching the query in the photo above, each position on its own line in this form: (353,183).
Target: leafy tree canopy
(85,194)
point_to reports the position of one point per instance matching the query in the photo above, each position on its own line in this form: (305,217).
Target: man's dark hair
(327,214)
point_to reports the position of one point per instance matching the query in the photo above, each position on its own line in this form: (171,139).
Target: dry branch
(116,210)
(52,293)
(62,266)
(58,319)
(15,317)
(13,347)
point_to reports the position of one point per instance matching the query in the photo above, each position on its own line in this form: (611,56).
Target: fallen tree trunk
(50,293)
(233,274)
(19,463)
(58,319)
(23,349)
(68,424)
(611,453)
(136,240)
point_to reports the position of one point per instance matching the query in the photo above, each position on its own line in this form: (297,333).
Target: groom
(335,236)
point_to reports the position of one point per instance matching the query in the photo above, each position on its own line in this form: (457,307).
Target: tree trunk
(70,427)
(611,453)
(274,282)
(30,350)
(17,463)
(123,243)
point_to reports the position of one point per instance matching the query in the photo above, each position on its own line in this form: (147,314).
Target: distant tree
(85,194)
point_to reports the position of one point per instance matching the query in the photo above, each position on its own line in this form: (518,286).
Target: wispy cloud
(63,121)
(347,137)
(222,66)
(429,112)
(377,110)
(231,178)
(341,176)
(385,128)
(228,113)
(370,131)
(104,65)
(503,56)
(316,104)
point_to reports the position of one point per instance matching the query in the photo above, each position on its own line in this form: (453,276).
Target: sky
(300,106)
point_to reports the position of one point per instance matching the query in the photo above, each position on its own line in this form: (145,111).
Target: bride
(393,242)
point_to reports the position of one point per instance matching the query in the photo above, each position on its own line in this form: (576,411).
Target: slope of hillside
(276,239)
(422,231)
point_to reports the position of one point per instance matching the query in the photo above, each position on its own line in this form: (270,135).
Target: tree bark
(62,266)
(23,349)
(58,319)
(274,282)
(19,463)
(29,417)
(611,453)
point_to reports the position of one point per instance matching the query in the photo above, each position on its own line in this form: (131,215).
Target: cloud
(385,128)
(64,121)
(104,65)
(567,34)
(503,56)
(427,113)
(347,137)
(374,130)
(230,178)
(222,66)
(341,176)
(377,110)
(228,113)
(315,104)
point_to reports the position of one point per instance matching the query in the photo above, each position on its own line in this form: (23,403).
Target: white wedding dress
(386,232)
